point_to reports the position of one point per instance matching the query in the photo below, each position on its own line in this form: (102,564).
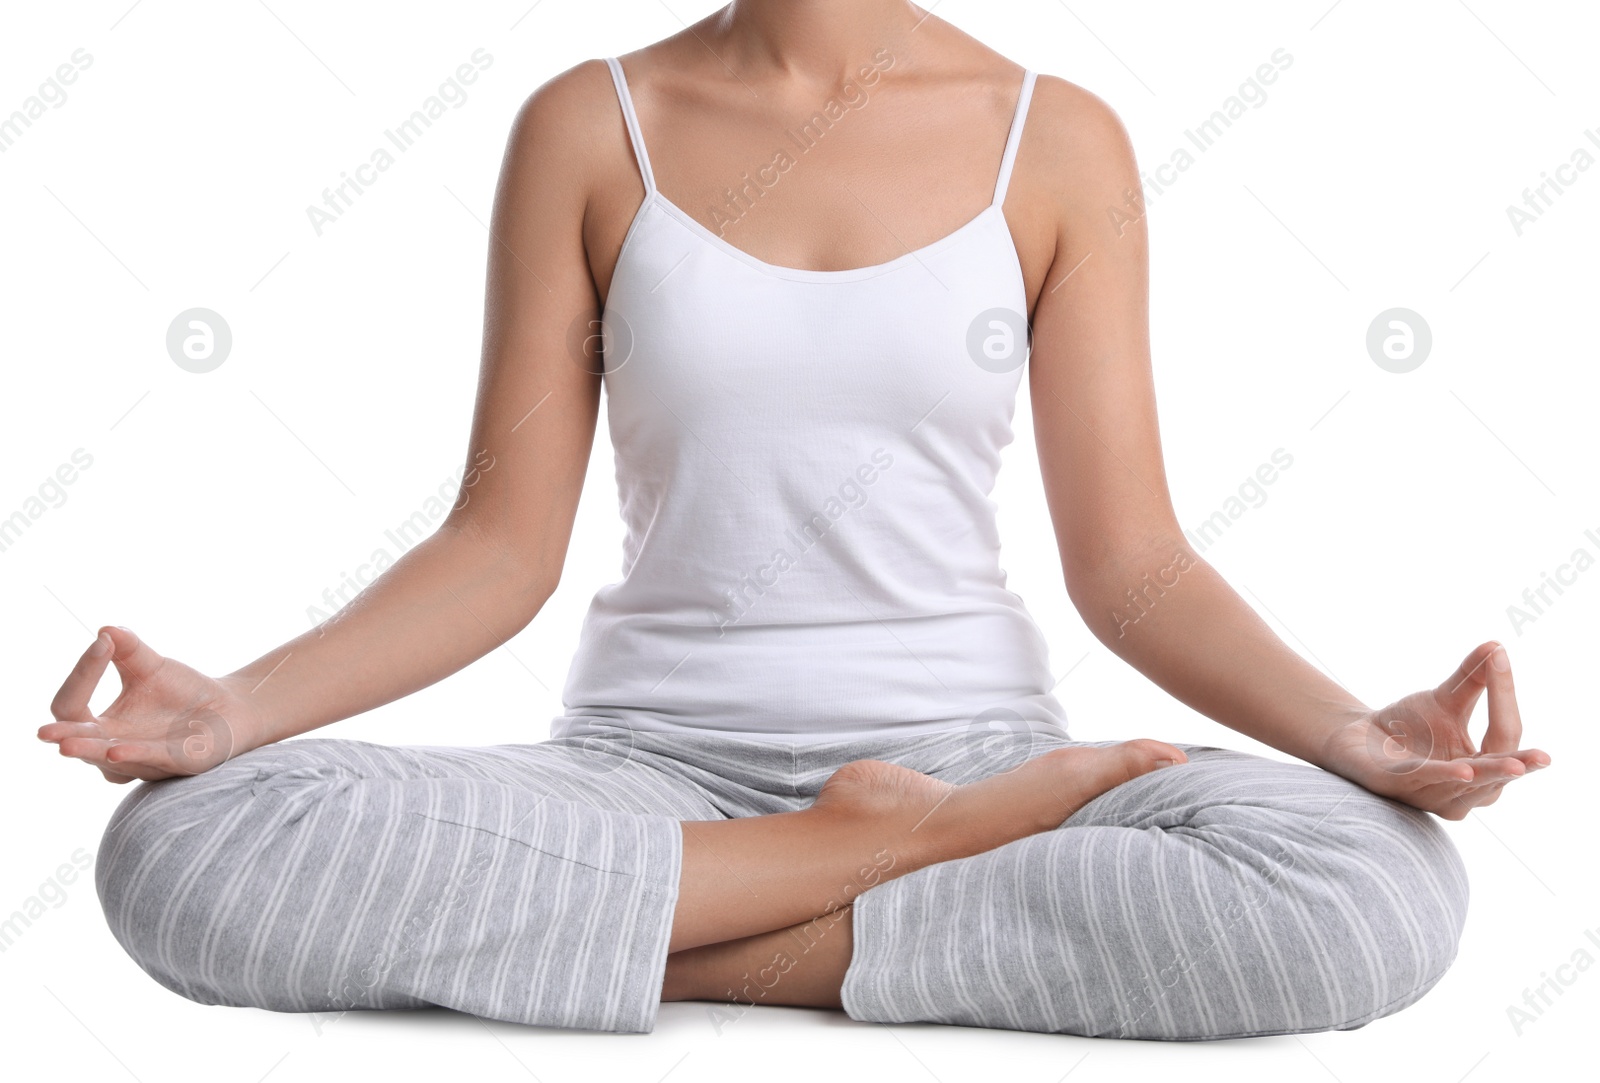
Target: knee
(1377,891)
(1394,892)
(1382,855)
(170,859)
(150,866)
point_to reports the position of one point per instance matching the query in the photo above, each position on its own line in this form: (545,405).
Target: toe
(1149,755)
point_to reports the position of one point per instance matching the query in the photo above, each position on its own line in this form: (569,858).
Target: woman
(810,753)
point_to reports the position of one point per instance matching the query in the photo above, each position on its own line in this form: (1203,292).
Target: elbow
(531,583)
(1118,581)
(524,578)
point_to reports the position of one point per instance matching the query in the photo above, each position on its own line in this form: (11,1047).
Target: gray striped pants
(1229,896)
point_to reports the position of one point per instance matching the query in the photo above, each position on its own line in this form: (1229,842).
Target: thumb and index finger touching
(1488,669)
(135,660)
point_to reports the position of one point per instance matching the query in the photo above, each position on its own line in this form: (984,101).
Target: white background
(1419,507)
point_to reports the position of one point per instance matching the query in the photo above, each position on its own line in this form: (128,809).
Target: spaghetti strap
(1014,137)
(634,135)
(736,397)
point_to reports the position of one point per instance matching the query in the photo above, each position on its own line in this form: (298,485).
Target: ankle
(994,811)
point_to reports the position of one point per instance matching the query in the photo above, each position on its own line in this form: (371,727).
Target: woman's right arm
(493,561)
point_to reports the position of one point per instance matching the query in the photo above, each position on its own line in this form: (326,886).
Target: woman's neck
(809,40)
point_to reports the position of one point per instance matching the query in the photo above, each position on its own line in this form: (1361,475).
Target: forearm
(446,602)
(1170,615)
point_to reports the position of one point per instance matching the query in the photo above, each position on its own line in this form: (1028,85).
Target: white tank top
(804,460)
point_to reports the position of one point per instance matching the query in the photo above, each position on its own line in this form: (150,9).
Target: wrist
(249,714)
(1342,731)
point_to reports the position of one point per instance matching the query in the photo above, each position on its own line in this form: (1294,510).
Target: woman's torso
(804,462)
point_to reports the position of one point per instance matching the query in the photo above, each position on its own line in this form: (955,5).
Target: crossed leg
(1225,896)
(1233,896)
(542,884)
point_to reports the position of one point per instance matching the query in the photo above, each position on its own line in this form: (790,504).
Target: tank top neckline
(654,198)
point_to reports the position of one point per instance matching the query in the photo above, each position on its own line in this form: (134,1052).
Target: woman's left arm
(1130,570)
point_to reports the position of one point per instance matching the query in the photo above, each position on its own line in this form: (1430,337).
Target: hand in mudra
(1418,750)
(168,720)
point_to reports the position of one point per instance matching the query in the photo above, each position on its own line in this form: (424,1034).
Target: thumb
(1458,693)
(135,659)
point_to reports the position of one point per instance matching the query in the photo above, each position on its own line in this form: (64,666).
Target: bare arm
(494,560)
(497,556)
(1142,589)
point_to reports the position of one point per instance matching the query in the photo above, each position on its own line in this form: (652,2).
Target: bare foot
(871,822)
(925,820)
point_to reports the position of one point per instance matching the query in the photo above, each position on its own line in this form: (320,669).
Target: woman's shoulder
(570,101)
(1074,114)
(1075,145)
(562,123)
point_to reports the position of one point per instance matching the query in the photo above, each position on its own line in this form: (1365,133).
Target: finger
(1439,773)
(1478,797)
(88,749)
(116,757)
(57,731)
(1459,692)
(1453,800)
(1484,768)
(135,659)
(71,703)
(128,756)
(1492,775)
(1531,758)
(1487,770)
(1505,721)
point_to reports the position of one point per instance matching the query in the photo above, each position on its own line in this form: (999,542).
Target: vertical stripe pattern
(1226,897)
